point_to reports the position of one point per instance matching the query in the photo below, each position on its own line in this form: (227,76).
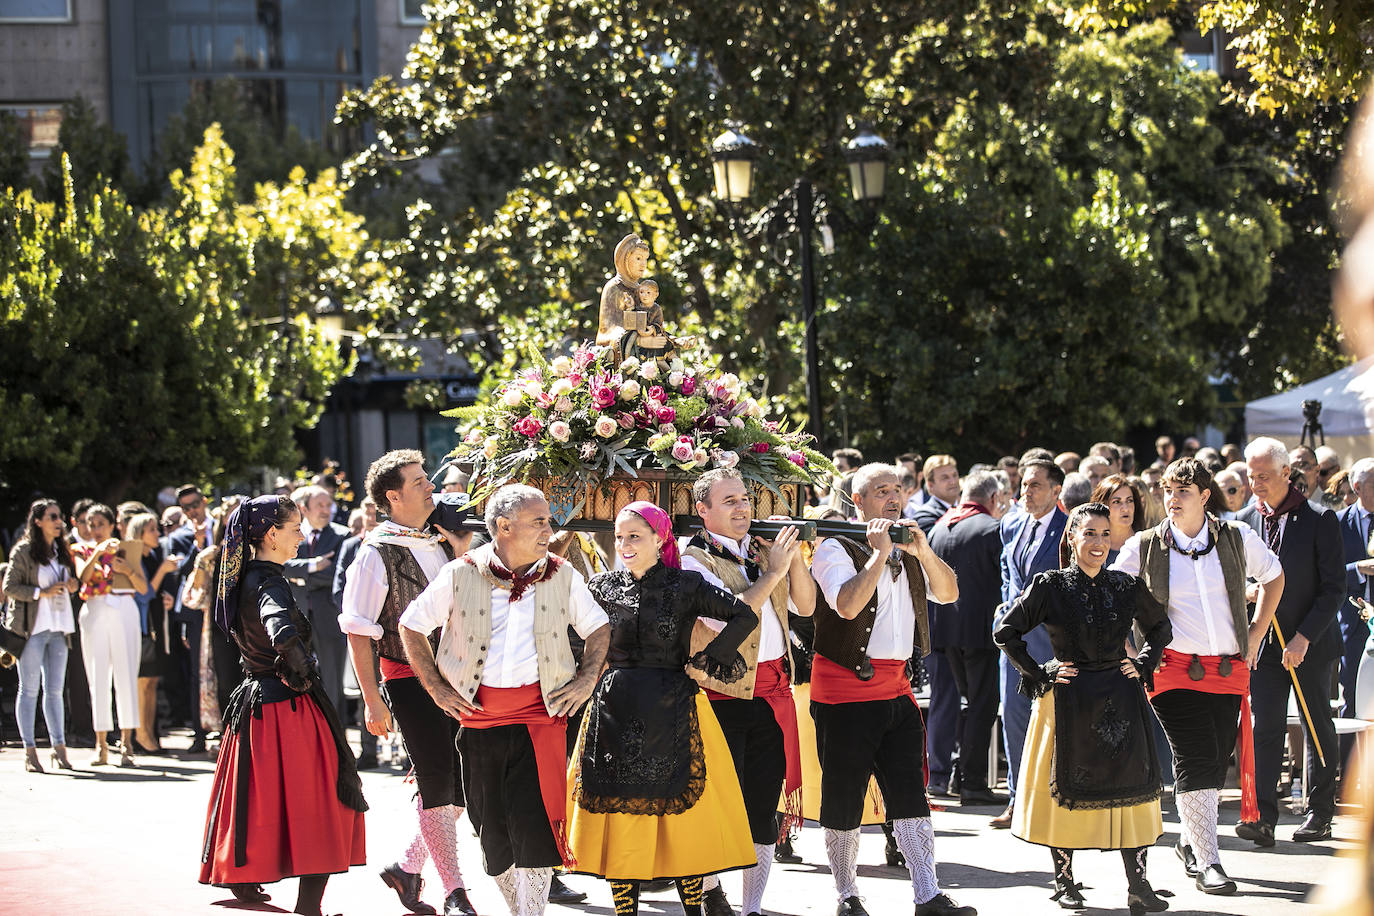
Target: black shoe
(1185,855)
(1214,880)
(939,790)
(249,893)
(1143,899)
(408,888)
(713,903)
(654,886)
(561,893)
(942,905)
(369,762)
(851,906)
(1068,894)
(785,854)
(197,745)
(894,855)
(975,797)
(1257,832)
(456,903)
(1313,829)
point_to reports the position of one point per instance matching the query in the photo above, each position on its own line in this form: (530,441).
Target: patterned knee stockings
(1197,813)
(916,840)
(756,878)
(842,849)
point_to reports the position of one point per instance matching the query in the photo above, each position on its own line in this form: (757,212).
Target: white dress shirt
(54,613)
(894,629)
(512,660)
(772,639)
(366,588)
(1199,608)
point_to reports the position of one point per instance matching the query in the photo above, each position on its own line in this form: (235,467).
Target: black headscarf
(250,521)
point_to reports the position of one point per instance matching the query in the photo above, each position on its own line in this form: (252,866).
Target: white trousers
(110,644)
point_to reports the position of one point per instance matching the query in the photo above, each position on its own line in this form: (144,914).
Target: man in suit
(1030,545)
(197,532)
(311,576)
(1308,544)
(1355,533)
(968,539)
(941,474)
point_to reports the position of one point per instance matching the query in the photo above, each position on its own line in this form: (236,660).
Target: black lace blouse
(1088,619)
(651,618)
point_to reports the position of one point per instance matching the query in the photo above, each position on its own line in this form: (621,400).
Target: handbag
(10,641)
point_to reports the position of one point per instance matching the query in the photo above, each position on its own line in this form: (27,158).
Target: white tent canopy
(1347,416)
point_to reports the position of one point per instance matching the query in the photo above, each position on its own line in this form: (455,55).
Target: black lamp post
(733,155)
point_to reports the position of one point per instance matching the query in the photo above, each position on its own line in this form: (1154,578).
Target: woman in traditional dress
(654,790)
(286,801)
(1090,776)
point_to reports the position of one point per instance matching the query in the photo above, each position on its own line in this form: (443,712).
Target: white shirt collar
(735,547)
(1048,513)
(1189,543)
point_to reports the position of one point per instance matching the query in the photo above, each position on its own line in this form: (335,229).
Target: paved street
(115,841)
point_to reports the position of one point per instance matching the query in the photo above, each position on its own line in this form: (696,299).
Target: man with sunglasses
(1234,493)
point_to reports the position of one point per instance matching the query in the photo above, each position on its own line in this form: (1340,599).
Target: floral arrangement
(587,416)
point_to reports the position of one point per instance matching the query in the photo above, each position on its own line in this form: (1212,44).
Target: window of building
(411,12)
(40,124)
(35,11)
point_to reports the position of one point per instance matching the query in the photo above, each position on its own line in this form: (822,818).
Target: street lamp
(733,155)
(329,315)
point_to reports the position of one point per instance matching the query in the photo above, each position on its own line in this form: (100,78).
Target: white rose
(667,429)
(512,397)
(561,366)
(649,371)
(737,422)
(677,365)
(560,431)
(563,405)
(725,458)
(489,447)
(730,382)
(560,387)
(675,379)
(629,366)
(700,456)
(629,391)
(606,427)
(502,422)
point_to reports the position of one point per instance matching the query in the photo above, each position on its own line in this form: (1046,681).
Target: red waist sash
(525,706)
(833,683)
(1174,676)
(394,671)
(772,685)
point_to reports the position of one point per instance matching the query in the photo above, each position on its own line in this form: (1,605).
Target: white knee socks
(916,839)
(506,881)
(438,827)
(532,890)
(417,852)
(709,882)
(842,849)
(756,879)
(1197,813)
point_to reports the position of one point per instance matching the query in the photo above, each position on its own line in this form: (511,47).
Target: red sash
(525,706)
(395,671)
(1174,676)
(832,683)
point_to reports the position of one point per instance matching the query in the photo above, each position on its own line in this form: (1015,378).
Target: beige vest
(463,648)
(736,583)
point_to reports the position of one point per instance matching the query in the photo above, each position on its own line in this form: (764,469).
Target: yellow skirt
(873,812)
(711,836)
(1038,818)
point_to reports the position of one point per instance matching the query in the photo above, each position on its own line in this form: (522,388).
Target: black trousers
(431,736)
(975,671)
(501,783)
(755,740)
(1202,729)
(1270,686)
(881,738)
(80,722)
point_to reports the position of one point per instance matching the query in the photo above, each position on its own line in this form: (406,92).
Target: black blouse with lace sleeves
(1088,619)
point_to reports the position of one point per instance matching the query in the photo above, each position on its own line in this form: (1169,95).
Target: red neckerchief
(519,584)
(1292,500)
(956,514)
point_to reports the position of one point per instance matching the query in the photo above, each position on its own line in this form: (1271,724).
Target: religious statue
(631,319)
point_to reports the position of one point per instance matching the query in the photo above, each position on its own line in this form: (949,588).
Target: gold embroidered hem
(653,807)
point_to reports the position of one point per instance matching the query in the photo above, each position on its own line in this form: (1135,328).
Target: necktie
(314,539)
(1024,562)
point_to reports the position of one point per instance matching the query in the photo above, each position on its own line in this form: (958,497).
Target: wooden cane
(1302,701)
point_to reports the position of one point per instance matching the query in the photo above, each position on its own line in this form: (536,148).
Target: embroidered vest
(467,635)
(845,642)
(1154,570)
(404,582)
(736,583)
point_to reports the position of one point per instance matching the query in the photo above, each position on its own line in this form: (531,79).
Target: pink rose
(666,415)
(563,404)
(529,427)
(656,393)
(685,440)
(682,451)
(797,458)
(760,448)
(603,396)
(689,384)
(606,427)
(560,431)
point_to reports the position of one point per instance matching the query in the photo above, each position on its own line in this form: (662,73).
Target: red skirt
(296,824)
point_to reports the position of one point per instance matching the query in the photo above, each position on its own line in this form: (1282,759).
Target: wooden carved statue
(631,319)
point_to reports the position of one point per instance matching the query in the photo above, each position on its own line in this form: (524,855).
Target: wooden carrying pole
(1302,701)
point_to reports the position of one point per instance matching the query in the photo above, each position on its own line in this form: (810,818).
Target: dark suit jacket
(1355,550)
(1314,584)
(973,549)
(1014,579)
(929,514)
(316,597)
(347,553)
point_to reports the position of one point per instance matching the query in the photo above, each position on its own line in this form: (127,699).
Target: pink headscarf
(658,520)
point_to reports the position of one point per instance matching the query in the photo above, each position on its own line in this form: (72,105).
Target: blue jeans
(44,660)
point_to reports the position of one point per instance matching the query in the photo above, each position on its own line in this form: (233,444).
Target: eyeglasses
(193,504)
(1231,491)
(53,517)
